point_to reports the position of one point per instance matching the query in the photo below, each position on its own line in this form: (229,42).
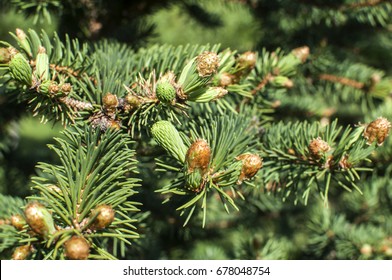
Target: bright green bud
(281,81)
(194,181)
(42,65)
(165,91)
(20,69)
(167,136)
(208,95)
(24,43)
(48,87)
(39,219)
(44,86)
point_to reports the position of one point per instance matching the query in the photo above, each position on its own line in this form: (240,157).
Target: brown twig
(262,84)
(342,80)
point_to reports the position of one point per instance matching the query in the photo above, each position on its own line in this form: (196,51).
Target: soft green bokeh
(239,29)
(10,20)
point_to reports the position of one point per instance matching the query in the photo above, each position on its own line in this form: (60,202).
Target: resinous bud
(251,164)
(104,216)
(39,219)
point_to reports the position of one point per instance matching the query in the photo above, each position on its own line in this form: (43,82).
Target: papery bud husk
(104,216)
(18,222)
(207,63)
(42,65)
(301,53)
(167,136)
(198,156)
(5,55)
(66,88)
(318,147)
(251,164)
(21,252)
(20,69)
(39,219)
(247,60)
(226,79)
(377,130)
(77,248)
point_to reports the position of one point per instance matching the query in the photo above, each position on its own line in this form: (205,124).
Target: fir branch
(229,142)
(94,174)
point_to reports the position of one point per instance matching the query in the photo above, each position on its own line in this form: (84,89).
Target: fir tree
(202,151)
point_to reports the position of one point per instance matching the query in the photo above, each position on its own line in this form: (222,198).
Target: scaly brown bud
(39,219)
(66,88)
(207,63)
(21,252)
(104,216)
(110,101)
(301,53)
(318,147)
(18,221)
(377,130)
(198,155)
(77,248)
(251,164)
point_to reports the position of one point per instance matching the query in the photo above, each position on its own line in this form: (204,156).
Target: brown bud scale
(318,147)
(198,155)
(105,216)
(377,130)
(207,63)
(247,60)
(301,53)
(251,164)
(17,221)
(21,252)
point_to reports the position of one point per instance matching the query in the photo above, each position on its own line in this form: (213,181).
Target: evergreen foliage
(201,151)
